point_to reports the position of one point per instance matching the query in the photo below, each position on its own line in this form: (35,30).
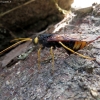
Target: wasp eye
(36,40)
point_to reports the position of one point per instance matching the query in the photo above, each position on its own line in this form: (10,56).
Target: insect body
(71,42)
(48,40)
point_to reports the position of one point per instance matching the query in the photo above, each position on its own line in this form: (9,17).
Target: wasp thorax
(36,40)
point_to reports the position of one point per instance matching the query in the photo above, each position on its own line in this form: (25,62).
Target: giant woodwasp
(71,42)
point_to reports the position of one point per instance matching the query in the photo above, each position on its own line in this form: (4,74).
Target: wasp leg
(75,52)
(52,55)
(23,40)
(39,58)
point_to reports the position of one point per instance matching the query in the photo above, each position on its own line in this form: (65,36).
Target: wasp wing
(73,37)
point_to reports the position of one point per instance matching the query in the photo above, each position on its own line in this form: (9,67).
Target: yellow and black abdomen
(74,45)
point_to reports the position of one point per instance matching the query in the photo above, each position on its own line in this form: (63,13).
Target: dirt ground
(73,78)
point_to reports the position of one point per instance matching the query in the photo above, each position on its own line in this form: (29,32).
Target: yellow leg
(52,55)
(23,40)
(39,58)
(76,52)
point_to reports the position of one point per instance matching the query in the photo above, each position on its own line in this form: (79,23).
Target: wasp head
(42,39)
